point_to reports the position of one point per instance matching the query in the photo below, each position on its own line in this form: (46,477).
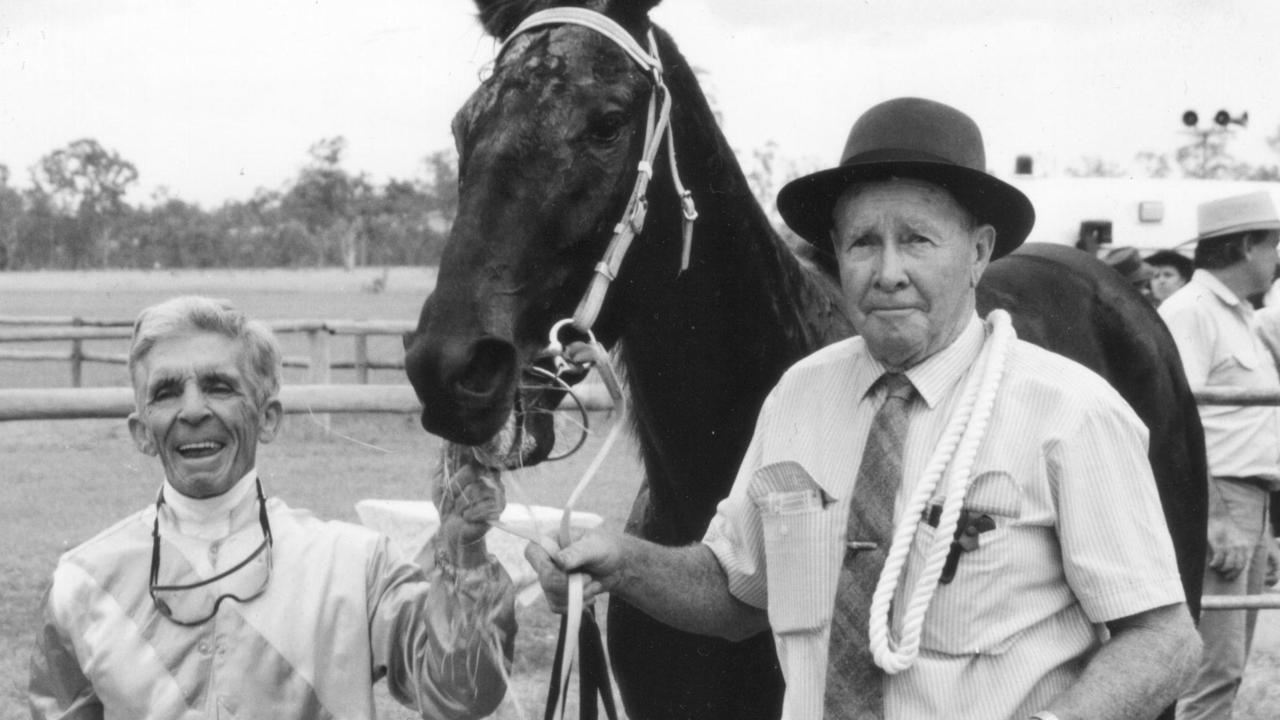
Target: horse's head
(548,147)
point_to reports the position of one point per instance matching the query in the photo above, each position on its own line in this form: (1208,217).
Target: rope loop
(957,449)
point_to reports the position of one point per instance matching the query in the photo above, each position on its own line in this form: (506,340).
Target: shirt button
(203,648)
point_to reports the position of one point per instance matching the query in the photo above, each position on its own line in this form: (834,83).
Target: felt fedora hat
(911,138)
(1236,214)
(1128,262)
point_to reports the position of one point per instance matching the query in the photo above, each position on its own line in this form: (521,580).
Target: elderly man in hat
(1216,330)
(998,616)
(217,602)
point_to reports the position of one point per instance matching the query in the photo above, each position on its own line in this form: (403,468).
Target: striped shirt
(1218,340)
(1080,538)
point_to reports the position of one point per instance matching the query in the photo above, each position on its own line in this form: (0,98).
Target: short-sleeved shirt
(1218,341)
(1079,537)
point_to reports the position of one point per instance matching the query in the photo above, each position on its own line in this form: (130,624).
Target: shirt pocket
(976,613)
(802,554)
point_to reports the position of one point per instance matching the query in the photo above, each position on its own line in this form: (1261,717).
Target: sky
(212,100)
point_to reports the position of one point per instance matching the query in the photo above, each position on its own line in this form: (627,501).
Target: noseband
(657,127)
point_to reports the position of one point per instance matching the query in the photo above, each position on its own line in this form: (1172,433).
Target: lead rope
(957,448)
(572,628)
(657,128)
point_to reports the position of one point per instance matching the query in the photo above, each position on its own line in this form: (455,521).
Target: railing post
(77,355)
(362,358)
(319,373)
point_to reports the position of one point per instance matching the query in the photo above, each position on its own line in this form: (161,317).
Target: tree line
(74,214)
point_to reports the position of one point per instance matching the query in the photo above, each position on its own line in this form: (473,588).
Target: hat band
(1249,226)
(886,155)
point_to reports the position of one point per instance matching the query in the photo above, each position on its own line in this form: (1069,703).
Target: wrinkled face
(198,412)
(1165,282)
(910,257)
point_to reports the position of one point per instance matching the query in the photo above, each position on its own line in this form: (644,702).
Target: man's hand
(1229,548)
(599,554)
(467,503)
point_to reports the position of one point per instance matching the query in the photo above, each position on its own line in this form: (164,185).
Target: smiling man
(1060,534)
(219,602)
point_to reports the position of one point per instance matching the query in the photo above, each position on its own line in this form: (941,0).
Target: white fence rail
(117,402)
(77,330)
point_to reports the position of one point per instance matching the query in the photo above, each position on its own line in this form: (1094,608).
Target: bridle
(657,128)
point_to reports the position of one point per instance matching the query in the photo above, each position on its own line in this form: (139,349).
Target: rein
(578,624)
(657,128)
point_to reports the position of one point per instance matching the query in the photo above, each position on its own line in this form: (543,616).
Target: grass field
(62,481)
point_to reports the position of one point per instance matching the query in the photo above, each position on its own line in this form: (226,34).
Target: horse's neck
(734,245)
(702,349)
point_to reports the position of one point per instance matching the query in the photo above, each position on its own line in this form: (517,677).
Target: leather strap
(593,675)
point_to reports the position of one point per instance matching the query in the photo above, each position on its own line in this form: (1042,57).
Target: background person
(1172,271)
(913,220)
(1128,262)
(217,602)
(1215,328)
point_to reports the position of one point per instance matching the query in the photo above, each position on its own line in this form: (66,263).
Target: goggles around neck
(196,603)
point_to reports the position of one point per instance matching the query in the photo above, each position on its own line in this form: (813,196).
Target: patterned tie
(853,680)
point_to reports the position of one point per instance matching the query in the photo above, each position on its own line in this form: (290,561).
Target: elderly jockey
(216,601)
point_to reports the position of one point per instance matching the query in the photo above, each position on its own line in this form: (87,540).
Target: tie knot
(897,385)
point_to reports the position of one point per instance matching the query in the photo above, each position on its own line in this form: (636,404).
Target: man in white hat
(1006,628)
(1215,328)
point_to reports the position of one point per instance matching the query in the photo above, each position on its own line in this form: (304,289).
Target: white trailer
(1145,213)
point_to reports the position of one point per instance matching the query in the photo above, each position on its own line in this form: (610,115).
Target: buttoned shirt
(1079,535)
(1217,337)
(341,611)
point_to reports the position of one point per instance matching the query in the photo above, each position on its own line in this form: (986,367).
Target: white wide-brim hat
(1237,214)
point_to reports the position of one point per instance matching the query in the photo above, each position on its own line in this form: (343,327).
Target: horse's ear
(500,17)
(632,13)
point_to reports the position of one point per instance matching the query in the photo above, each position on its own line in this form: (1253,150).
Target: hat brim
(806,203)
(1260,226)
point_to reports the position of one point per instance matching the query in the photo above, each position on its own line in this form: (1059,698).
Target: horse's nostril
(490,367)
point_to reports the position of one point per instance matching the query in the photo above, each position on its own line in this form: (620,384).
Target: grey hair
(188,313)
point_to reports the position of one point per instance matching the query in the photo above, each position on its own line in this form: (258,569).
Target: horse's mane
(820,260)
(500,17)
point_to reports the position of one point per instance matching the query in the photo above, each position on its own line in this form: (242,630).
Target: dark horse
(548,147)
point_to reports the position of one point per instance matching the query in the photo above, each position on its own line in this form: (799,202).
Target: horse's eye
(607,128)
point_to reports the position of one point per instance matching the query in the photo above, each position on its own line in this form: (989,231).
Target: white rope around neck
(958,449)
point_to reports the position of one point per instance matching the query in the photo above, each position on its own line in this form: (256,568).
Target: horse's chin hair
(507,448)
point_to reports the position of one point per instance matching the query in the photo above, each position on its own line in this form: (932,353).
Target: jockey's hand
(1229,548)
(467,503)
(598,554)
